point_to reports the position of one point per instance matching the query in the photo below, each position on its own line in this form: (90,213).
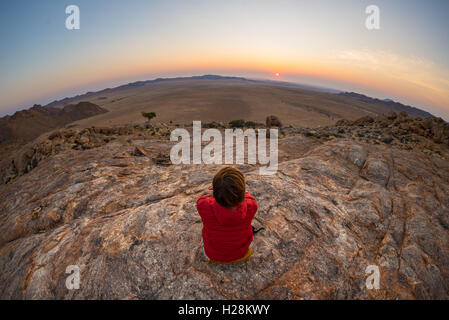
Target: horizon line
(206,77)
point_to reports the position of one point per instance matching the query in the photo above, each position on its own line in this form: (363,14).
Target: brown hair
(229,187)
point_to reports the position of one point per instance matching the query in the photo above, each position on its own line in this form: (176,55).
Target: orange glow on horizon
(345,76)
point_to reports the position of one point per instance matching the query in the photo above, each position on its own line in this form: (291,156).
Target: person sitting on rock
(227,211)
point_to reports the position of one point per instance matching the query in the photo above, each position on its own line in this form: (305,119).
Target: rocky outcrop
(27,158)
(429,135)
(435,129)
(130,225)
(26,125)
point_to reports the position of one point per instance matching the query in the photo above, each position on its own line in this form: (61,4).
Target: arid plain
(182,101)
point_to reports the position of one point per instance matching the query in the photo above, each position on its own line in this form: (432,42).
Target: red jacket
(227,233)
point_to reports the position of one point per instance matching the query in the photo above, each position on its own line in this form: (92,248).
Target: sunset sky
(315,42)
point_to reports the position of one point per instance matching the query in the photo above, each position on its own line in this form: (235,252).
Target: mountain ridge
(28,124)
(392,105)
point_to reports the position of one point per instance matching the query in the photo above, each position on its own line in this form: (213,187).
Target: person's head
(229,187)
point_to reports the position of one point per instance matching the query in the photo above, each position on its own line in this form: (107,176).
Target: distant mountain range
(389,104)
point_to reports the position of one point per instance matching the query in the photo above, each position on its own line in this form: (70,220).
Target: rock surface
(130,224)
(429,135)
(27,158)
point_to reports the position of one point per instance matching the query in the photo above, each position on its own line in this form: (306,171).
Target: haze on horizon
(321,43)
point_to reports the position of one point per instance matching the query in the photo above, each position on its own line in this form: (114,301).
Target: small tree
(237,123)
(148,115)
